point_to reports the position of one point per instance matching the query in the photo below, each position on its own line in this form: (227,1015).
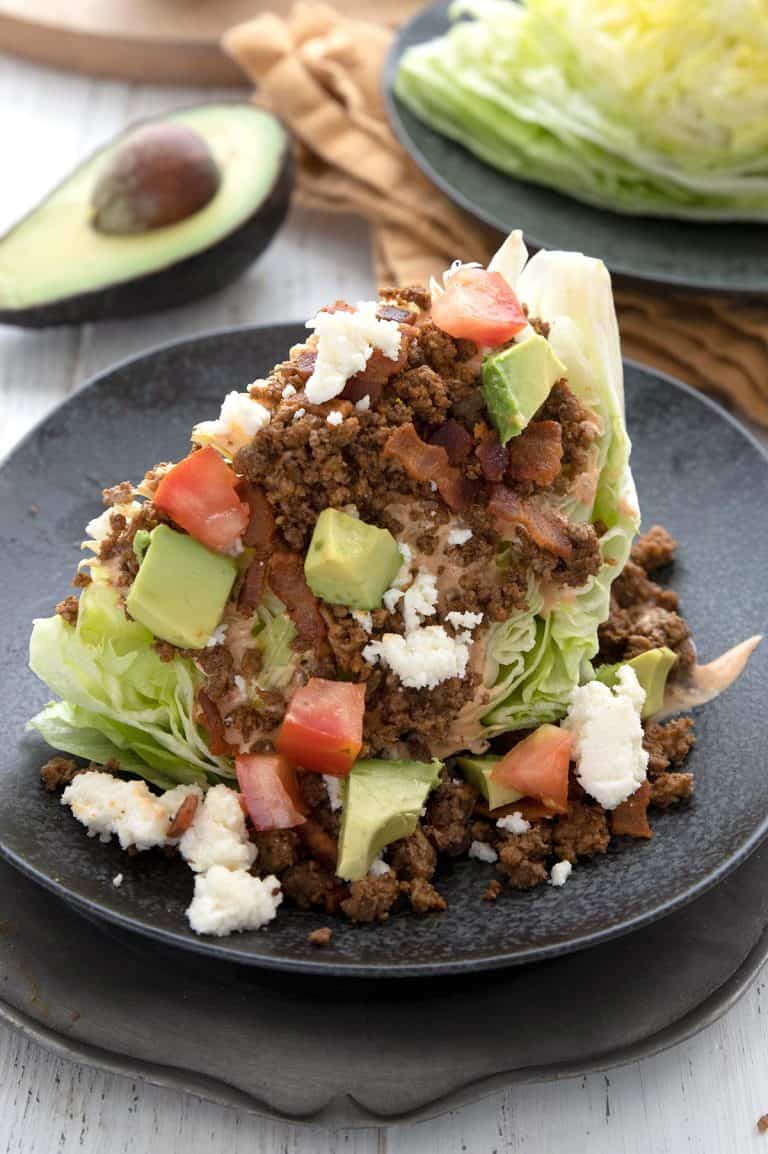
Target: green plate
(708,257)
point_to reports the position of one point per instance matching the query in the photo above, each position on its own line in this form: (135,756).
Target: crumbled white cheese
(424,657)
(228,901)
(333,786)
(364,404)
(240,683)
(514,823)
(107,805)
(391,598)
(288,392)
(345,341)
(481,851)
(351,511)
(463,620)
(420,600)
(458,536)
(560,873)
(218,835)
(608,738)
(240,418)
(100,527)
(363,619)
(117,881)
(433,486)
(218,637)
(335,417)
(378,867)
(299,414)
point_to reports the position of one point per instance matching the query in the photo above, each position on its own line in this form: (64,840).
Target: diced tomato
(270,790)
(199,495)
(323,728)
(479,306)
(538,767)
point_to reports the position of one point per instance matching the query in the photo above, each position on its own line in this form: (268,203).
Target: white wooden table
(703,1097)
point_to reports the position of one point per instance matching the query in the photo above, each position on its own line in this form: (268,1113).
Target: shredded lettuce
(274,633)
(636,105)
(534,660)
(119,699)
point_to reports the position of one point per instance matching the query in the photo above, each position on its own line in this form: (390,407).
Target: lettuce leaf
(641,108)
(534,659)
(120,700)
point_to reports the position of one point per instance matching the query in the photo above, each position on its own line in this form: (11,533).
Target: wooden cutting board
(154,41)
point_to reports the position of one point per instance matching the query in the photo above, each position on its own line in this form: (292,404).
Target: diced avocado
(382,803)
(350,563)
(517,382)
(652,669)
(181,589)
(477,771)
(183,221)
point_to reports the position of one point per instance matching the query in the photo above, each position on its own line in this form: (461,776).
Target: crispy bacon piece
(217,741)
(379,369)
(527,807)
(631,817)
(492,456)
(425,462)
(547,529)
(456,441)
(286,578)
(536,455)
(183,817)
(252,588)
(305,364)
(260,531)
(320,844)
(396,313)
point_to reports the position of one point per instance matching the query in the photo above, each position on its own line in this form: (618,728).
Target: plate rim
(628,278)
(335,966)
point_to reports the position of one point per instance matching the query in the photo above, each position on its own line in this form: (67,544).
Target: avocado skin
(177,284)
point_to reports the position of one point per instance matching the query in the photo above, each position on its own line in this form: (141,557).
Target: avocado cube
(181,589)
(652,669)
(350,563)
(477,771)
(517,382)
(382,803)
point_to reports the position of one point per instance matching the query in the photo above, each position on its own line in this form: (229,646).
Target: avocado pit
(161,174)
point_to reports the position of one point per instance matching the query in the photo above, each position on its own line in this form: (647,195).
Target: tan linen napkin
(321,73)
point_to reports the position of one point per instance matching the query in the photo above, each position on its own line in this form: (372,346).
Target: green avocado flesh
(350,563)
(181,589)
(383,801)
(477,771)
(517,382)
(651,669)
(55,252)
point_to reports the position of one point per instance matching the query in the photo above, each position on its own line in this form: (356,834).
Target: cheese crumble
(108,806)
(560,873)
(608,738)
(424,657)
(345,341)
(481,851)
(514,823)
(240,419)
(459,536)
(333,787)
(218,836)
(230,901)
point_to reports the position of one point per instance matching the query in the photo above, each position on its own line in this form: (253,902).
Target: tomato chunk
(323,728)
(478,305)
(199,495)
(538,767)
(270,791)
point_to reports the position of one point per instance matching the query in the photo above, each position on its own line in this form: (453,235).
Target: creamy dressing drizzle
(708,681)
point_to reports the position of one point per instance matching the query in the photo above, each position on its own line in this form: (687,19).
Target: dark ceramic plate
(708,256)
(698,472)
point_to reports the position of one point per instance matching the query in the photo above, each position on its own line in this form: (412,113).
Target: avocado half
(57,269)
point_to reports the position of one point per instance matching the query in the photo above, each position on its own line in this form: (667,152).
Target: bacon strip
(305,364)
(395,313)
(527,807)
(320,844)
(217,741)
(184,816)
(425,462)
(631,817)
(455,440)
(492,456)
(536,455)
(252,588)
(261,528)
(547,529)
(286,578)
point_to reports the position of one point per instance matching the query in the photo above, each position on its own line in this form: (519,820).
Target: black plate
(698,472)
(707,256)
